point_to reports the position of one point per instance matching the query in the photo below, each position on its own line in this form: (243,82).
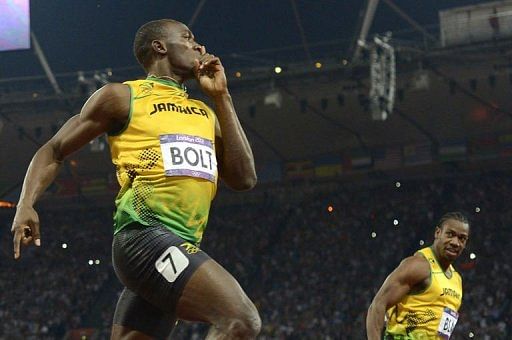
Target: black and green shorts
(154,265)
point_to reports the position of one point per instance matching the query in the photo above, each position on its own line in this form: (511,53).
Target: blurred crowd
(50,290)
(310,255)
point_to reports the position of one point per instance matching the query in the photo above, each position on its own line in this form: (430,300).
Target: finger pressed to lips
(207,56)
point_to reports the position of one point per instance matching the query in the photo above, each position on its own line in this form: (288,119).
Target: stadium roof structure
(95,35)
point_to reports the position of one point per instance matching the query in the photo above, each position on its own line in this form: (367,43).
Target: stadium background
(343,194)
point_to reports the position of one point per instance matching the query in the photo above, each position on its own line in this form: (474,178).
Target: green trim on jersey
(168,82)
(439,265)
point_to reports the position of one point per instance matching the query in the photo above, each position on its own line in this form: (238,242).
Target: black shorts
(154,264)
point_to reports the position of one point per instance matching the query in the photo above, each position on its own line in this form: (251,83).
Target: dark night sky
(96,34)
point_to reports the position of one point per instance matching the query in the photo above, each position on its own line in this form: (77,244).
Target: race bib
(448,320)
(171,263)
(186,155)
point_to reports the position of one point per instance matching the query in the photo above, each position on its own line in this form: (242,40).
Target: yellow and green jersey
(431,313)
(165,160)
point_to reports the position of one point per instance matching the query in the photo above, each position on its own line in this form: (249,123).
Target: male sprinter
(422,296)
(168,154)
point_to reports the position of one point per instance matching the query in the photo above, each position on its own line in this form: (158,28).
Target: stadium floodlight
(382,78)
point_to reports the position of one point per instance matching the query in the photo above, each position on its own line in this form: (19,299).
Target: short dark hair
(453,215)
(152,30)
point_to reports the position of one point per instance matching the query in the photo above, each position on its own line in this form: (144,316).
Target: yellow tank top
(165,160)
(432,313)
